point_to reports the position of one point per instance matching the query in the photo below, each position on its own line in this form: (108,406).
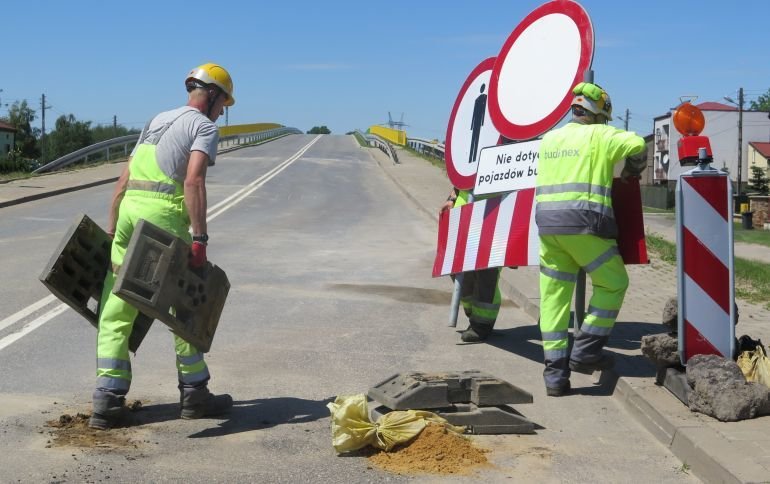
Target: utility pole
(625,120)
(740,134)
(114,126)
(740,137)
(227,115)
(43,107)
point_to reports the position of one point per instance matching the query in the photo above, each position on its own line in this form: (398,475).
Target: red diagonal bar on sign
(696,343)
(487,232)
(518,238)
(443,235)
(713,189)
(462,237)
(706,270)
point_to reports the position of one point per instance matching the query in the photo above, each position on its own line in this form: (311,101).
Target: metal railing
(106,149)
(103,147)
(380,143)
(427,147)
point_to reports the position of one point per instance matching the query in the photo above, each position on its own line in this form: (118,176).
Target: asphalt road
(331,293)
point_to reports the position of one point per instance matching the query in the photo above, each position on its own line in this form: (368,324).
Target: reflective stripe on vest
(574,178)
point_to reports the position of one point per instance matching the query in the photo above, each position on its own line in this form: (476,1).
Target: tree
(68,136)
(20,116)
(105,132)
(759,180)
(319,130)
(762,103)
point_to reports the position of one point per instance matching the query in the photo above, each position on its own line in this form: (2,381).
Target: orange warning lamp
(689,121)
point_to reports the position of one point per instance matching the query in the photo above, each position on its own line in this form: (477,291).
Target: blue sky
(346,64)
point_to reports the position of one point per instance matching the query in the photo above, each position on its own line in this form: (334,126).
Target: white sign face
(539,69)
(470,127)
(544,57)
(506,168)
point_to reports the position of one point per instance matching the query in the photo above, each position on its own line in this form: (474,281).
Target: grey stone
(662,349)
(720,390)
(670,314)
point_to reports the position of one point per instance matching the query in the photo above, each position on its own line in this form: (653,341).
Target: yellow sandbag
(755,366)
(352,429)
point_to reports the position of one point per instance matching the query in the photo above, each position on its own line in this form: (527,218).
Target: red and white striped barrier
(495,232)
(501,231)
(705,264)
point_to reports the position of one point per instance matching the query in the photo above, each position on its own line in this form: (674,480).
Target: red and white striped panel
(495,232)
(705,269)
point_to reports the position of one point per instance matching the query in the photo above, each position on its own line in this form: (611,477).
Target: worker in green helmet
(577,230)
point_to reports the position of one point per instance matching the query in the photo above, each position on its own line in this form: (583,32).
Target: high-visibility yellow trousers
(561,257)
(116,317)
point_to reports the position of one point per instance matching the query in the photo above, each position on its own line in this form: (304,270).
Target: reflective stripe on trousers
(561,257)
(481,296)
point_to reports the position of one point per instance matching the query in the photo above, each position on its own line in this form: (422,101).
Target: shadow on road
(246,415)
(263,413)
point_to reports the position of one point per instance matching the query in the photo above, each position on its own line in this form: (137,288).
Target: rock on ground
(721,391)
(662,349)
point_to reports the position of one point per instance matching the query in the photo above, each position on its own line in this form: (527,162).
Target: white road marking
(31,326)
(212,213)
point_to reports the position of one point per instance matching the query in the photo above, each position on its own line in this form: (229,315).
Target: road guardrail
(106,149)
(427,147)
(381,143)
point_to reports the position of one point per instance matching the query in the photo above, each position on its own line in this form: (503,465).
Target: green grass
(361,140)
(430,159)
(752,278)
(754,236)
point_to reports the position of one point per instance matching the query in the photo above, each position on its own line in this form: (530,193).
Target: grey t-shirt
(190,131)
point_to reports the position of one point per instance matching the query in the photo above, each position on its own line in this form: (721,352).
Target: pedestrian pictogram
(470,127)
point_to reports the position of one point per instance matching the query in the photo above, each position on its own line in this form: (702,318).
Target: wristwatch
(204,238)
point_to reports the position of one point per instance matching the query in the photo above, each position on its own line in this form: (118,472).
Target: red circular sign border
(460,181)
(525,132)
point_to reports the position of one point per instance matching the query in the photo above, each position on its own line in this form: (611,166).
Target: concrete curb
(57,191)
(709,455)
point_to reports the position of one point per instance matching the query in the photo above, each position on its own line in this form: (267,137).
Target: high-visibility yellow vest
(574,178)
(146,179)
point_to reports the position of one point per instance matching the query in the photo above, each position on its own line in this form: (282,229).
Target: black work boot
(476,333)
(109,410)
(199,402)
(558,391)
(605,362)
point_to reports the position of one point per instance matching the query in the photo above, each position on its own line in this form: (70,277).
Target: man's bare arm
(117,197)
(195,191)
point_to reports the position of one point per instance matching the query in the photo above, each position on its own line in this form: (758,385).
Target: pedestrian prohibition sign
(470,127)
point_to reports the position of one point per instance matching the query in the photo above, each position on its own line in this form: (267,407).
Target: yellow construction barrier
(246,128)
(393,135)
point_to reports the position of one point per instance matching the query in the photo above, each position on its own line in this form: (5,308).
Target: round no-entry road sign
(470,127)
(545,56)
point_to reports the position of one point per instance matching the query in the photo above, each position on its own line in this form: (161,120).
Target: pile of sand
(435,451)
(73,431)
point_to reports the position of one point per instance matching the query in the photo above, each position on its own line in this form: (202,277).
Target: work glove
(197,255)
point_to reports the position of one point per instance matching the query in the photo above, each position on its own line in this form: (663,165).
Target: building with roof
(759,155)
(7,138)
(722,130)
